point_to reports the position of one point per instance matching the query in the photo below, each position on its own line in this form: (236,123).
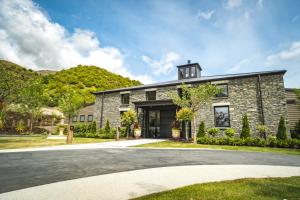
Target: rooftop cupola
(189,70)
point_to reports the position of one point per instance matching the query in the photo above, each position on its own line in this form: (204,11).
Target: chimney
(188,61)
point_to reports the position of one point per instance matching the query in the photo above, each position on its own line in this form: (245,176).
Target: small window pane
(224,92)
(82,118)
(291,101)
(74,119)
(125,99)
(90,118)
(193,72)
(222,118)
(181,73)
(187,72)
(151,95)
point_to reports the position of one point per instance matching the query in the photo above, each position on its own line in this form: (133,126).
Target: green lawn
(174,144)
(13,142)
(242,189)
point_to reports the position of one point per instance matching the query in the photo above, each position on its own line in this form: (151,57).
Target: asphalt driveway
(27,169)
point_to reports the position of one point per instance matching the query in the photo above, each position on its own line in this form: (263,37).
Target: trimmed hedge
(272,142)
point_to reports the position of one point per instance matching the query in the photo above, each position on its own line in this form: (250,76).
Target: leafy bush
(201,130)
(229,132)
(107,127)
(296,133)
(271,142)
(123,132)
(184,114)
(245,128)
(213,131)
(281,132)
(263,130)
(92,127)
(20,127)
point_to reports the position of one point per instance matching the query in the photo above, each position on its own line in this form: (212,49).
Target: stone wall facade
(243,98)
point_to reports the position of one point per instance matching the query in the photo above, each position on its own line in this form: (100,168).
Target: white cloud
(28,37)
(233,4)
(260,3)
(205,15)
(292,53)
(163,66)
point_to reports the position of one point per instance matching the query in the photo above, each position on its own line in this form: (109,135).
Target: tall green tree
(281,132)
(31,99)
(245,127)
(195,98)
(69,104)
(127,119)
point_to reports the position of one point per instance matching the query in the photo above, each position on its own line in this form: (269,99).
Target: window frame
(88,118)
(215,121)
(74,117)
(80,116)
(147,95)
(195,72)
(122,98)
(222,84)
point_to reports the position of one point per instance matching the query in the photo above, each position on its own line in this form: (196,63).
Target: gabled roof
(194,80)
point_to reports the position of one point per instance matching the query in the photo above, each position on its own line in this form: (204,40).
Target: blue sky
(147,39)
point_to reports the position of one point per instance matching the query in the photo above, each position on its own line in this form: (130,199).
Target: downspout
(261,100)
(102,107)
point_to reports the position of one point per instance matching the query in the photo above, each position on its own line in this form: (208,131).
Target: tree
(245,127)
(31,99)
(185,115)
(107,127)
(281,132)
(195,98)
(297,91)
(69,104)
(296,134)
(128,118)
(201,129)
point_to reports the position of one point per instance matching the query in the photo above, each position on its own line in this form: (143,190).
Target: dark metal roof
(194,80)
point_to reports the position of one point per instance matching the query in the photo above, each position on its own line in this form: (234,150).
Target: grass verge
(14,142)
(175,144)
(256,189)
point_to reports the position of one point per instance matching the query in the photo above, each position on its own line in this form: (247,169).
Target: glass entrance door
(154,123)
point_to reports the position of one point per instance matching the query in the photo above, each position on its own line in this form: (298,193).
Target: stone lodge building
(260,95)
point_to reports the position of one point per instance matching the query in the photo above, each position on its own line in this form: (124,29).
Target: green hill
(83,79)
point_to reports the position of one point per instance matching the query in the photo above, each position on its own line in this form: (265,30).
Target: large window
(90,118)
(222,118)
(224,92)
(187,72)
(181,72)
(125,99)
(74,119)
(151,95)
(193,72)
(82,118)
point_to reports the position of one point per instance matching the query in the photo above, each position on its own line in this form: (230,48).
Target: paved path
(102,145)
(26,169)
(132,184)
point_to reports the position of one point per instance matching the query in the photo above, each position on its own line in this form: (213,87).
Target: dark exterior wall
(243,97)
(87,110)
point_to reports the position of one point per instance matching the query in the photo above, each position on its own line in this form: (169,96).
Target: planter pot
(61,131)
(175,133)
(137,133)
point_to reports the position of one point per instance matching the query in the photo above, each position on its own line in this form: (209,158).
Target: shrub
(229,132)
(271,142)
(245,128)
(263,130)
(123,132)
(107,127)
(20,127)
(296,133)
(201,130)
(184,114)
(213,131)
(281,132)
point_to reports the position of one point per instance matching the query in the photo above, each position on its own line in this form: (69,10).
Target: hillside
(83,79)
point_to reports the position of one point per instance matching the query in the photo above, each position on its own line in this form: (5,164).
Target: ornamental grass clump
(245,128)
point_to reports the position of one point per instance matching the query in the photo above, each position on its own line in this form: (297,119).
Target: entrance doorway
(154,123)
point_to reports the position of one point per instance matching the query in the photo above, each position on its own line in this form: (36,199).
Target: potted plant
(175,129)
(137,130)
(61,129)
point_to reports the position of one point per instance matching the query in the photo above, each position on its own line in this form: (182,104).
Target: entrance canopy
(142,104)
